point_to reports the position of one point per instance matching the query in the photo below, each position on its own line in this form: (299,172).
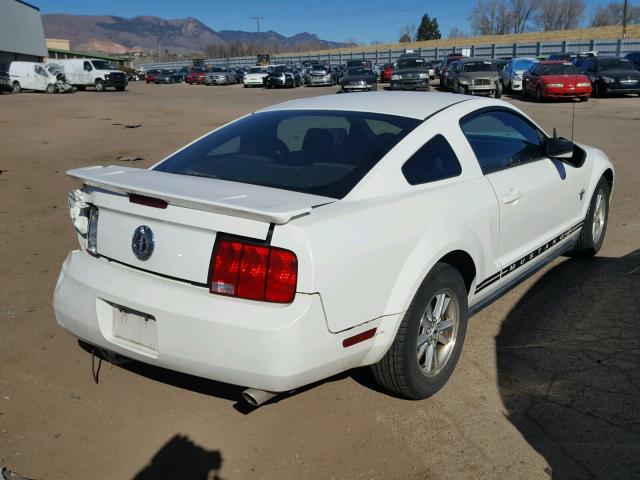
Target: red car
(152,76)
(385,72)
(196,75)
(555,79)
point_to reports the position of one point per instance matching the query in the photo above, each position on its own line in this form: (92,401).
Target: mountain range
(112,34)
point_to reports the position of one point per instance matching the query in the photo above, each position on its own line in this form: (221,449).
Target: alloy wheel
(599,217)
(437,333)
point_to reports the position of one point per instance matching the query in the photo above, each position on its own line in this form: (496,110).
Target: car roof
(549,62)
(419,105)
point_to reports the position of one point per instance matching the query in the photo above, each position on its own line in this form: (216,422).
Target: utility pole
(624,19)
(257,19)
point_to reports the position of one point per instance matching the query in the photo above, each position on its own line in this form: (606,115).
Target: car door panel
(539,198)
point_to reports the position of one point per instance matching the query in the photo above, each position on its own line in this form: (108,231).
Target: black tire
(498,93)
(375,87)
(51,88)
(100,86)
(399,370)
(587,245)
(597,90)
(120,88)
(525,95)
(461,90)
(15,88)
(538,94)
(584,99)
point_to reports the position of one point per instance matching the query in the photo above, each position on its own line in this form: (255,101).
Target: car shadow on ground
(181,459)
(193,383)
(568,358)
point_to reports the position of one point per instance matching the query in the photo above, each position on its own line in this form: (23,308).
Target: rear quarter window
(434,161)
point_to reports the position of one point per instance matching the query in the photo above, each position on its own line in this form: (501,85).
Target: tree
(408,30)
(612,14)
(456,32)
(428,29)
(521,12)
(559,14)
(405,38)
(490,17)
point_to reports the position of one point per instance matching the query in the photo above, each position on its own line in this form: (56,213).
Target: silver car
(220,76)
(476,76)
(511,74)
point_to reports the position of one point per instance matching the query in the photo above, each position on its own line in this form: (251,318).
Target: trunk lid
(185,231)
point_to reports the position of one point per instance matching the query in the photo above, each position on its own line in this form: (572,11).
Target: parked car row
(61,76)
(560,76)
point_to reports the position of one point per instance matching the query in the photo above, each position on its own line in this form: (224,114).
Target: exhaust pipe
(255,397)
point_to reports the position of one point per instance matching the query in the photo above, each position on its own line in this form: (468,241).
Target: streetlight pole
(624,19)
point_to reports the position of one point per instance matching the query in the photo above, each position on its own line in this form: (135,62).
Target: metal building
(21,32)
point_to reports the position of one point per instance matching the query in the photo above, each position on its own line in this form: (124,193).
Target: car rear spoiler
(254,202)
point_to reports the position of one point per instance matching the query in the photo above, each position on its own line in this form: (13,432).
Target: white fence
(603,47)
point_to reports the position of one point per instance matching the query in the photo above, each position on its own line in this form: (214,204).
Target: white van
(36,76)
(90,72)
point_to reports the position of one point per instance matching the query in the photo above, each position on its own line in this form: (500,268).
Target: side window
(87,66)
(435,161)
(502,139)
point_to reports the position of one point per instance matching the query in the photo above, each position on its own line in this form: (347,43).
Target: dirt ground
(548,383)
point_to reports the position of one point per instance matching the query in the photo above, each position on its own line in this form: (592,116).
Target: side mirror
(562,149)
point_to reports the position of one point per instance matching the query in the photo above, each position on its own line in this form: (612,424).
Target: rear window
(317,152)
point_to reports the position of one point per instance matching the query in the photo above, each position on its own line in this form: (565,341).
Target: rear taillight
(255,272)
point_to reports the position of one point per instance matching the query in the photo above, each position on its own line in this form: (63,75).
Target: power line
(257,19)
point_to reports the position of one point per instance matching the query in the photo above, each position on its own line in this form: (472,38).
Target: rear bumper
(267,346)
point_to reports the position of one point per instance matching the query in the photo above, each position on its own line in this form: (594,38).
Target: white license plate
(134,328)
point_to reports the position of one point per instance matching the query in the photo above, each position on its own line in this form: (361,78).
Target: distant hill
(301,41)
(111,34)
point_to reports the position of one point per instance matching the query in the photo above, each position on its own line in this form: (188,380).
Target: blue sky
(337,20)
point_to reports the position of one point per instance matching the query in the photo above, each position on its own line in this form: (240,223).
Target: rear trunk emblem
(143,242)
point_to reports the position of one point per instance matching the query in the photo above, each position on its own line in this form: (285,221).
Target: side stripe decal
(527,258)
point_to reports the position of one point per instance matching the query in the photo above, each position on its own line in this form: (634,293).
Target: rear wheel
(428,343)
(15,88)
(595,223)
(538,94)
(498,93)
(375,87)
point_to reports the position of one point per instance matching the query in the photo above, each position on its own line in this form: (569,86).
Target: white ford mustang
(324,234)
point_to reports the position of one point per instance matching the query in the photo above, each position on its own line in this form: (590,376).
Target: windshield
(197,70)
(522,64)
(218,70)
(614,64)
(559,69)
(311,151)
(257,70)
(280,69)
(358,71)
(319,67)
(477,67)
(413,63)
(103,65)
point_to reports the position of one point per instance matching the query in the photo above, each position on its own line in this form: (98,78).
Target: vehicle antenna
(573,117)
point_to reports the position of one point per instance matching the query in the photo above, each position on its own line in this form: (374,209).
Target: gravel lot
(549,379)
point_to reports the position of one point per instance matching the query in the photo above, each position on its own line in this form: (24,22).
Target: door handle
(512,196)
